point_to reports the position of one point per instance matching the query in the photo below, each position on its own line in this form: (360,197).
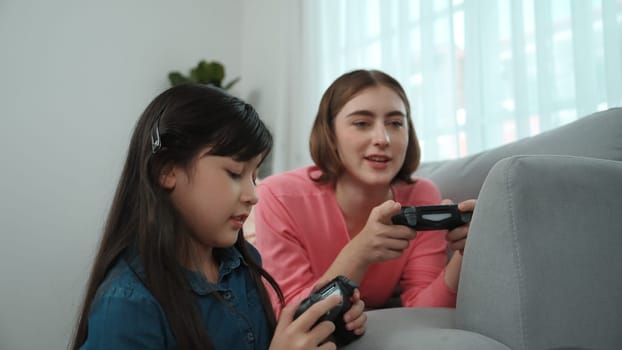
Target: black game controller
(340,285)
(432,217)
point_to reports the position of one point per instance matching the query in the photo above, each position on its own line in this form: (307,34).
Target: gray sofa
(542,268)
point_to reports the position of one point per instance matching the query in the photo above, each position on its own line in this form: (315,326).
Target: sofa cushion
(598,135)
(419,328)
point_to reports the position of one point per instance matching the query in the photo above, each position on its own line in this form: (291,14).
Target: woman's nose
(381,136)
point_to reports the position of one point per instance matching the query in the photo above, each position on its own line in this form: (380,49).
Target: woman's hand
(456,241)
(355,318)
(456,238)
(303,333)
(380,240)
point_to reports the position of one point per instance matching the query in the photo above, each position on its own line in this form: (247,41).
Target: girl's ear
(168,177)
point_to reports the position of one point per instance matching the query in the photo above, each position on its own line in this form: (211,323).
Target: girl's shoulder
(125,315)
(124,281)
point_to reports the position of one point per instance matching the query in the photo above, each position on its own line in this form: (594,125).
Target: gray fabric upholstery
(419,328)
(598,135)
(542,267)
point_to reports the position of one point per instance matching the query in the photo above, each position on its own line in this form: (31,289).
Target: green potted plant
(212,72)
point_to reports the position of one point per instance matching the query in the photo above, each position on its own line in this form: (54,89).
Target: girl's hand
(456,238)
(301,333)
(355,318)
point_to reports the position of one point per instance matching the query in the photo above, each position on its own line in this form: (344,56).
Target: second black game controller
(432,217)
(340,285)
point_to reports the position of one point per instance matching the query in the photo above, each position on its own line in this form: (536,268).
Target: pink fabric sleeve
(423,277)
(283,253)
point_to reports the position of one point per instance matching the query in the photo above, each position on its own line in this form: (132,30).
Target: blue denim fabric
(125,315)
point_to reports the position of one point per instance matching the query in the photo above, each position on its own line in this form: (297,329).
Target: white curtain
(479,73)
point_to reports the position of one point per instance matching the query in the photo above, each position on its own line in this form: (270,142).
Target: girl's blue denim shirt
(125,315)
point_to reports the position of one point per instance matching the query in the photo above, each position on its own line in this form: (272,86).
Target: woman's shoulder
(296,181)
(422,192)
(423,184)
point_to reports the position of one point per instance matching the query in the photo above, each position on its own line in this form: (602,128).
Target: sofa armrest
(542,267)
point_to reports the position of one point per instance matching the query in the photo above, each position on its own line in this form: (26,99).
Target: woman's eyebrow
(365,112)
(359,112)
(395,114)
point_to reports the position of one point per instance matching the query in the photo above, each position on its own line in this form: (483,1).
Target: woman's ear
(168,177)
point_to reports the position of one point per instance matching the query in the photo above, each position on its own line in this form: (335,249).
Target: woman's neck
(357,200)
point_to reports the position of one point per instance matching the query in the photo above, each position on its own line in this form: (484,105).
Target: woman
(334,218)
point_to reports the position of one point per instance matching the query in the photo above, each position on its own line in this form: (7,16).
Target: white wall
(275,79)
(74,77)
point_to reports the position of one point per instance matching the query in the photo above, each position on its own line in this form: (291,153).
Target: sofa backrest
(542,267)
(598,135)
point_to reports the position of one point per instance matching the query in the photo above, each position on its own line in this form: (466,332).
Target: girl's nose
(249,195)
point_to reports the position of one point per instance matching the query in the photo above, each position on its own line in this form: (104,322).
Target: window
(479,74)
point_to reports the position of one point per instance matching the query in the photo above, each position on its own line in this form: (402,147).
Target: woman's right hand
(303,333)
(380,240)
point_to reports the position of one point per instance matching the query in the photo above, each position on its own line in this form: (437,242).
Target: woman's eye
(398,123)
(360,124)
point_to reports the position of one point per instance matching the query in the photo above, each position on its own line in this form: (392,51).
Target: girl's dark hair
(323,144)
(174,127)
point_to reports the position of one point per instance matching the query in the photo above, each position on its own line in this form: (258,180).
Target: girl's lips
(238,220)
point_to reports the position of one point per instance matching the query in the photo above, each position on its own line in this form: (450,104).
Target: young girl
(173,270)
(334,218)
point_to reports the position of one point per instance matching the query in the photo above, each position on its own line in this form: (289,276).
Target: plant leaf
(231,83)
(177,78)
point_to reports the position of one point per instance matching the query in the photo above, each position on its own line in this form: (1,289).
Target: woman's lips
(378,161)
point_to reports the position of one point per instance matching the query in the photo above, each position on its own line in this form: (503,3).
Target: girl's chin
(228,239)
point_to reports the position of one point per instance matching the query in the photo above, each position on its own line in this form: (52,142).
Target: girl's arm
(119,321)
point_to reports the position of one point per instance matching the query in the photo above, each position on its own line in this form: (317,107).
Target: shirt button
(227,295)
(250,337)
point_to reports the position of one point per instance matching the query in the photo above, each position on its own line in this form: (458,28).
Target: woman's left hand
(456,238)
(355,318)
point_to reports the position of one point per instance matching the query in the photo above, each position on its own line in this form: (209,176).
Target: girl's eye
(360,124)
(397,123)
(234,175)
